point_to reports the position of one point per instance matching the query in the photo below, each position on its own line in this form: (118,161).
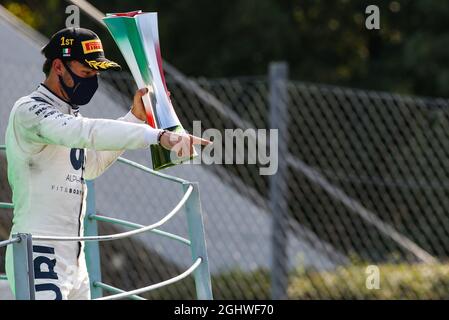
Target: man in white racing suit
(51,150)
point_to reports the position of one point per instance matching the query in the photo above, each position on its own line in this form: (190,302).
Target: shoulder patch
(39,99)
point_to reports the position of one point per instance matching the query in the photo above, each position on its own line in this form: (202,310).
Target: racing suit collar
(54,100)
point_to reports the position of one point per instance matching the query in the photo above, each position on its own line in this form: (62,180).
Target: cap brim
(102,64)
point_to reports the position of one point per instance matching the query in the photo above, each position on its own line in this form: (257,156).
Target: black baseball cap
(80,44)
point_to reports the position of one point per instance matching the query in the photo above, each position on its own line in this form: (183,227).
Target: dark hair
(47,66)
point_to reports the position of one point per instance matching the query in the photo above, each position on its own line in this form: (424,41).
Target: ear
(58,67)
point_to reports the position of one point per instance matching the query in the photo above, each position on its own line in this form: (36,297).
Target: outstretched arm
(98,161)
(41,123)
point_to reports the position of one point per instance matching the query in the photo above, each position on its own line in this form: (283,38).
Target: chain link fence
(364,195)
(366,185)
(358,208)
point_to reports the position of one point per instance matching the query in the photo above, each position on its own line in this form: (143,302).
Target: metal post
(23,267)
(278,99)
(198,243)
(91,248)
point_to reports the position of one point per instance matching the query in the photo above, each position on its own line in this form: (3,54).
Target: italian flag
(66,52)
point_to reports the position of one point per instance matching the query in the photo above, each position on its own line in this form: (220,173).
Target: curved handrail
(133,294)
(6,205)
(157,285)
(115,290)
(136,225)
(153,172)
(9,241)
(123,234)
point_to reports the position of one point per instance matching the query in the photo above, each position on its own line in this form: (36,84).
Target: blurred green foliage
(24,12)
(397,281)
(323,41)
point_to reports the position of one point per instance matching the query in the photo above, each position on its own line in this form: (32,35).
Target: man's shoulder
(33,97)
(30,102)
(30,108)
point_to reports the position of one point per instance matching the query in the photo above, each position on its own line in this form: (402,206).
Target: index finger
(198,140)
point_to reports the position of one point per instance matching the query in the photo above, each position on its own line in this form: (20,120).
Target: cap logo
(90,46)
(101,64)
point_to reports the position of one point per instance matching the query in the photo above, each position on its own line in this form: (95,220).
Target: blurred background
(363,153)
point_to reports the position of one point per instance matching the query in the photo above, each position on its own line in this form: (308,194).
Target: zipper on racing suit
(81,205)
(75,113)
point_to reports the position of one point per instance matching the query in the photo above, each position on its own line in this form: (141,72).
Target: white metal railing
(23,260)
(123,234)
(157,285)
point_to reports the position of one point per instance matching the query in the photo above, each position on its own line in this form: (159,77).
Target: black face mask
(83,89)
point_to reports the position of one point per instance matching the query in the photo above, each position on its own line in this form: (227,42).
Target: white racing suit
(50,151)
